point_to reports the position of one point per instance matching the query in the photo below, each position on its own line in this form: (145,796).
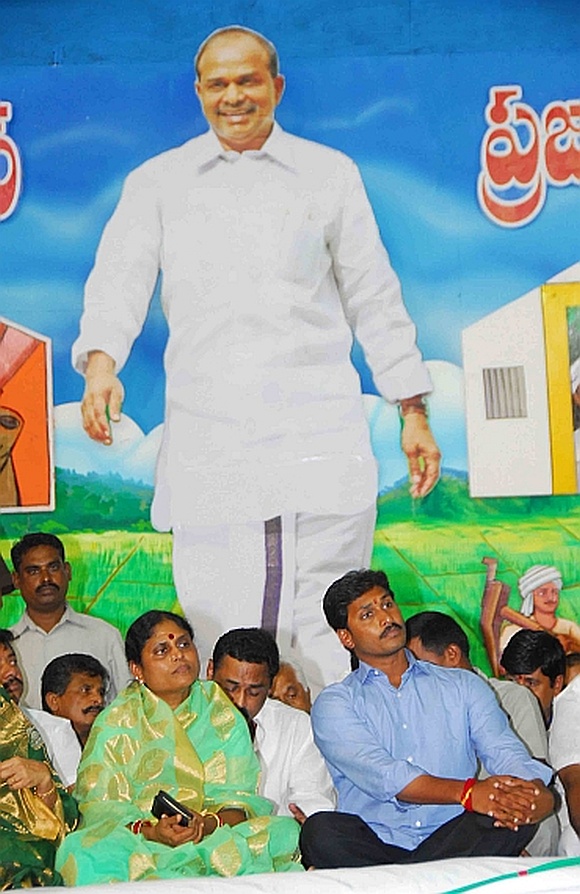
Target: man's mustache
(93,709)
(11,680)
(388,629)
(45,586)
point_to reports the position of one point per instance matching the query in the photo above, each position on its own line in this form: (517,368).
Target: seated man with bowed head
(50,627)
(536,659)
(402,739)
(294,776)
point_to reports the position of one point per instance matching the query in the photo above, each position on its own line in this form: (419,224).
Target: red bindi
(171,635)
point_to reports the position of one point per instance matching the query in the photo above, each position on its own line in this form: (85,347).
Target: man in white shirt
(50,627)
(565,758)
(271,261)
(294,776)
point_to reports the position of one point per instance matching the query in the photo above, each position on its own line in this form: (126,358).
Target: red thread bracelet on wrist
(465,799)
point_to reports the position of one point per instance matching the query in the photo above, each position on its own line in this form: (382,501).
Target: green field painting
(432,550)
(116,575)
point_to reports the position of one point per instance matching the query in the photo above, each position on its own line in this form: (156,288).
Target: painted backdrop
(420,129)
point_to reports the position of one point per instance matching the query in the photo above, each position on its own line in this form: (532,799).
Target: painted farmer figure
(271,260)
(540,591)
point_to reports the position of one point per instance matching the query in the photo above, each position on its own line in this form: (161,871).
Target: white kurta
(565,752)
(270,261)
(61,742)
(293,769)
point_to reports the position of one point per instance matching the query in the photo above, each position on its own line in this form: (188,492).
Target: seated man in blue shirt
(402,739)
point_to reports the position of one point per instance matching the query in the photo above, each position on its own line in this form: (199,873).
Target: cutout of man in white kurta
(271,260)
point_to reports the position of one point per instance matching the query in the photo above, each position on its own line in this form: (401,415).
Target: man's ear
(558,684)
(16,579)
(279,85)
(209,672)
(53,702)
(453,655)
(346,639)
(68,571)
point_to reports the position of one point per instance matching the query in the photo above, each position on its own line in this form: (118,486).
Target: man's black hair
(436,630)
(346,589)
(31,541)
(249,644)
(529,650)
(58,673)
(572,659)
(6,637)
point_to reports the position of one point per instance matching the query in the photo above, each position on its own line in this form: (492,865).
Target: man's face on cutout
(237,92)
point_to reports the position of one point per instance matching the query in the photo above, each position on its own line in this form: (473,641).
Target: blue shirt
(377,738)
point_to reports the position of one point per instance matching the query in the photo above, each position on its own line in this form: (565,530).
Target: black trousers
(333,840)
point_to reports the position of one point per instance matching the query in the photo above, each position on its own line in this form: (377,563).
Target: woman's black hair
(142,628)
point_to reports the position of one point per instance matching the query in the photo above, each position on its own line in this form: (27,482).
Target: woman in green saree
(36,811)
(168,730)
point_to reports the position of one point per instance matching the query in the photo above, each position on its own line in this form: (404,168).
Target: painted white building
(518,403)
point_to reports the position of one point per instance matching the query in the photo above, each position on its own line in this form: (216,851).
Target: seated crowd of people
(120,763)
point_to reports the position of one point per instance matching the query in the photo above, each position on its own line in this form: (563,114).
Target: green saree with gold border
(202,755)
(29,830)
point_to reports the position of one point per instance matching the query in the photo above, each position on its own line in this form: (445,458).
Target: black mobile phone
(165,805)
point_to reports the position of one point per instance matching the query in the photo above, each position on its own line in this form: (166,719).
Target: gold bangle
(44,795)
(217,818)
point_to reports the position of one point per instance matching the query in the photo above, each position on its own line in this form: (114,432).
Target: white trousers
(272,574)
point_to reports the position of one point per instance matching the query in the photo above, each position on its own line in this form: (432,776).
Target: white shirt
(61,742)
(293,770)
(75,632)
(270,261)
(565,751)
